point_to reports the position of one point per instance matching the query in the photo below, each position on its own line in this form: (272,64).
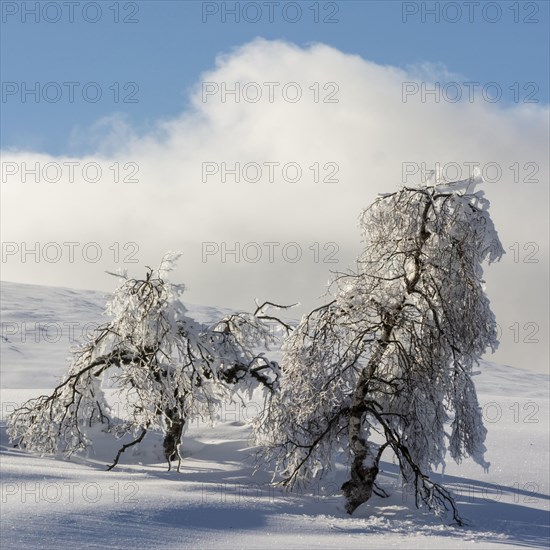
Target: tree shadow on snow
(231,498)
(493,512)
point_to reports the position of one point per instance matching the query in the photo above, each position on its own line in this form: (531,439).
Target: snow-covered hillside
(216,501)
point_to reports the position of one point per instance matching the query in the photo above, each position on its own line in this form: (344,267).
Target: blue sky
(169,45)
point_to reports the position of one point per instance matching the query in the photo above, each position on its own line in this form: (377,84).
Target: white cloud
(429,71)
(105,136)
(369,133)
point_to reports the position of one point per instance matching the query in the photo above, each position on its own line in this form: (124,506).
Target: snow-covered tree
(167,369)
(387,364)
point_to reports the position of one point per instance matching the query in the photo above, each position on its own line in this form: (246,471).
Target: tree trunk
(172,437)
(364,470)
(359,488)
(364,467)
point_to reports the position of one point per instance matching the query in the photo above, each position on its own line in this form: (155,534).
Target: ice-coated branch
(166,368)
(394,348)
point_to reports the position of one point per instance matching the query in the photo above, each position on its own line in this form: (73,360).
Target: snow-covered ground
(216,501)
